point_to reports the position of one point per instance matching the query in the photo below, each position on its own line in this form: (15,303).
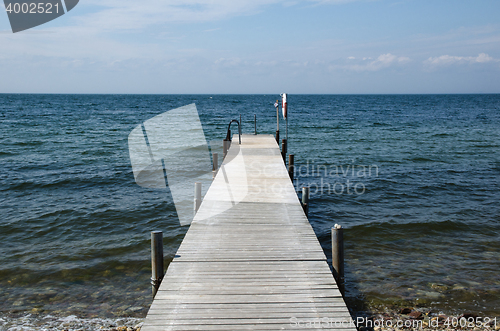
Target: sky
(258,46)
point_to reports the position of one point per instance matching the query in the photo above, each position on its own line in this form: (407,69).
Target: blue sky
(258,46)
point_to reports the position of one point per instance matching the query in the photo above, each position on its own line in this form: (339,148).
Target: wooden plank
(250,260)
(234,320)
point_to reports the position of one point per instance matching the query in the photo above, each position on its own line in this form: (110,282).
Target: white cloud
(231,62)
(382,62)
(131,14)
(99,29)
(445,60)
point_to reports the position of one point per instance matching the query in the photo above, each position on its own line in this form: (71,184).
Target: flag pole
(276,105)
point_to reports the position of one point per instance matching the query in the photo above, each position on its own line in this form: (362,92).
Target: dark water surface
(414,179)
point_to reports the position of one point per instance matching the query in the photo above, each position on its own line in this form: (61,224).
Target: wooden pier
(250,259)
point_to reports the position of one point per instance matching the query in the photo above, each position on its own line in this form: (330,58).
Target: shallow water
(421,208)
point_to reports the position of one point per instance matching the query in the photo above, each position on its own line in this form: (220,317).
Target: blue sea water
(413,179)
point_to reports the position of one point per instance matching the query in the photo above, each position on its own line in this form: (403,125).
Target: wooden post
(278,137)
(215,167)
(305,200)
(291,169)
(255,122)
(283,150)
(156,260)
(338,255)
(215,157)
(197,196)
(226,144)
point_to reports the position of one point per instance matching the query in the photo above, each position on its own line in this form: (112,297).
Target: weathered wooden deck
(250,260)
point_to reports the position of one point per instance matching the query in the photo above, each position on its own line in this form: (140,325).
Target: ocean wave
(429,227)
(7,154)
(378,124)
(76,180)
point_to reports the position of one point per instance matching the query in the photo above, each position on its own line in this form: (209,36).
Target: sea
(413,179)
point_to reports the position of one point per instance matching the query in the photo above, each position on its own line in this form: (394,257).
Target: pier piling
(225,145)
(283,150)
(215,167)
(197,196)
(305,200)
(156,260)
(338,255)
(291,163)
